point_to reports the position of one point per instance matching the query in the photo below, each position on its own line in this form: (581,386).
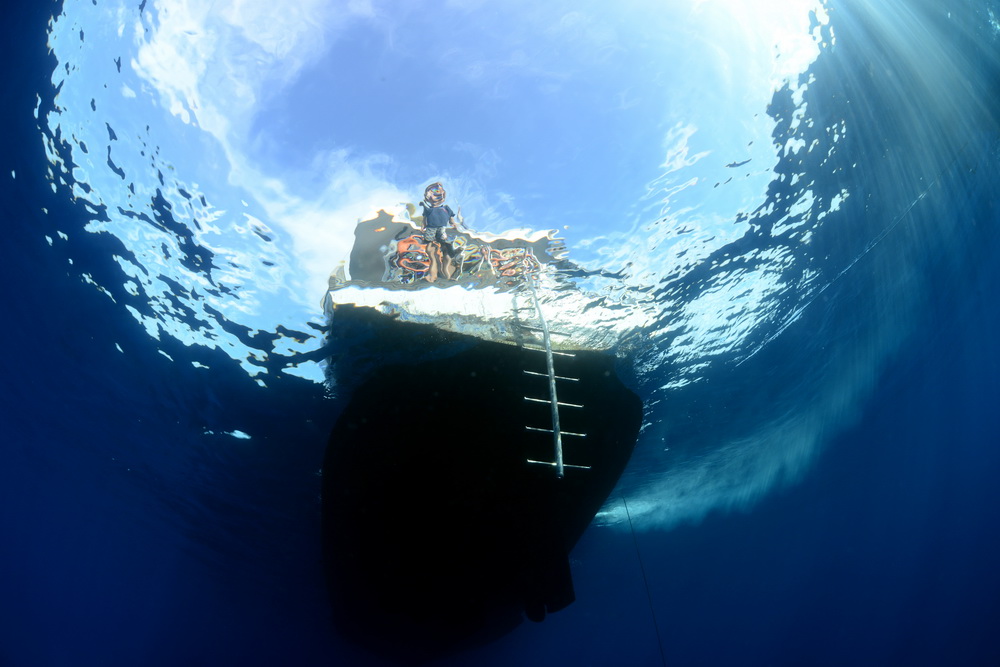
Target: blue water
(822,491)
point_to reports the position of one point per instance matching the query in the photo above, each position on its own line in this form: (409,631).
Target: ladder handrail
(550,367)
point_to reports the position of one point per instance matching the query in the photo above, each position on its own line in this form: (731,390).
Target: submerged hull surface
(438,532)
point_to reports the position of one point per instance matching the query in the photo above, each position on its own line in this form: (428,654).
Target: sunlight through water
(709,163)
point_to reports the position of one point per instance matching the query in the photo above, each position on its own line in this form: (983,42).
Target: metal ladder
(552,400)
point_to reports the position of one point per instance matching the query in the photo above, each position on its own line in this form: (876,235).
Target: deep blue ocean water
(136,531)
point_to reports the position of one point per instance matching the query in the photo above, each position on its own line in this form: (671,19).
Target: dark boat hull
(437,531)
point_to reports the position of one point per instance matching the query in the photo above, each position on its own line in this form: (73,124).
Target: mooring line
(645,582)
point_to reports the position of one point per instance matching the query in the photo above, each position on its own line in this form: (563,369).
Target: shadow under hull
(438,534)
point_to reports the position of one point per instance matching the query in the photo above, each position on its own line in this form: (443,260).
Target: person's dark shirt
(437,216)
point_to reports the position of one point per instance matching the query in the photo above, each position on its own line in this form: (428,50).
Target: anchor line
(645,583)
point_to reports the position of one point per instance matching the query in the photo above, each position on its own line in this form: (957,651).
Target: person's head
(434,194)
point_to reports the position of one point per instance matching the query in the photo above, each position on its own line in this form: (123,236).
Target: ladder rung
(545,375)
(548,430)
(565,465)
(542,349)
(546,401)
(534,328)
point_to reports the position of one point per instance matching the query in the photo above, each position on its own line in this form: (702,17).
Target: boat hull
(438,532)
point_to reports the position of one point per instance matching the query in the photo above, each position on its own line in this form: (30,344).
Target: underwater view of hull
(443,524)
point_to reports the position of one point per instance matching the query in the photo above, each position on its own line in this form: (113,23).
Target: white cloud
(213,66)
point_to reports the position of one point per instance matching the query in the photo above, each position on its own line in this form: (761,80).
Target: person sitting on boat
(438,216)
